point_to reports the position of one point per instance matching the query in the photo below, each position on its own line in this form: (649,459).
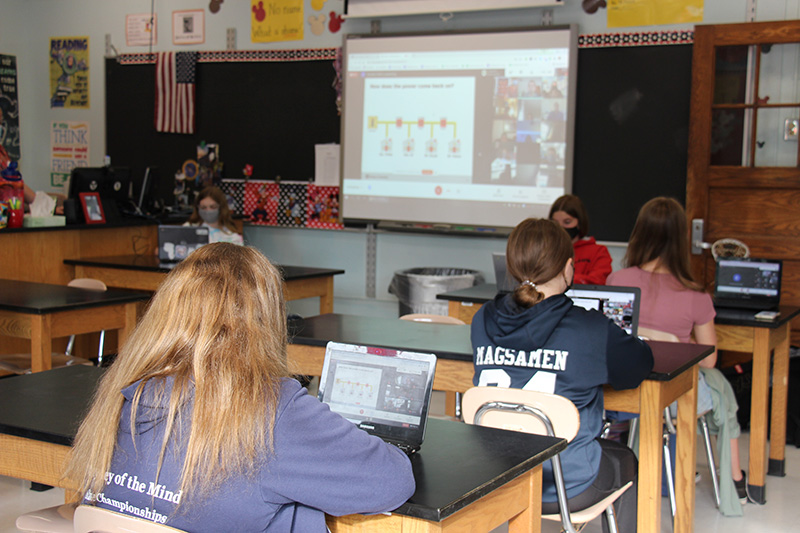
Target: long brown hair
(225,215)
(662,233)
(217,326)
(536,252)
(573,206)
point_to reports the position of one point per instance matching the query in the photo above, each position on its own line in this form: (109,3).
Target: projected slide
(418,127)
(356,385)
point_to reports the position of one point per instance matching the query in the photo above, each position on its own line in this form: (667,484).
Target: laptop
(175,243)
(385,392)
(620,304)
(505,283)
(747,283)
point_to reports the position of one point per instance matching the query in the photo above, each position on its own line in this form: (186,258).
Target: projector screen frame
(451,216)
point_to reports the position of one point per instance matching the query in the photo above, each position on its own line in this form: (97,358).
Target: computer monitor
(146,196)
(85,179)
(113,184)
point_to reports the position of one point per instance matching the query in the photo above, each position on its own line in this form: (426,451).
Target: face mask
(209,216)
(573,232)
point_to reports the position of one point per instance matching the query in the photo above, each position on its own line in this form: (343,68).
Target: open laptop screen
(620,304)
(385,392)
(175,243)
(748,283)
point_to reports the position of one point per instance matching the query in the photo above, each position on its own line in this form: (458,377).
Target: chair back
(88,283)
(521,410)
(657,335)
(90,519)
(433,319)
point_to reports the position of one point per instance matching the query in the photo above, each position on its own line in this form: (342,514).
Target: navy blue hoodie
(563,349)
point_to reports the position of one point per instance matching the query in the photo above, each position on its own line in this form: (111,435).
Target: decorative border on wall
(644,38)
(222,56)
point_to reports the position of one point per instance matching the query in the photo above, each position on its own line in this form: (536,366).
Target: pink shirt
(666,304)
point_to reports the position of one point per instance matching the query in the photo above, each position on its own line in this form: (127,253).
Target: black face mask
(573,232)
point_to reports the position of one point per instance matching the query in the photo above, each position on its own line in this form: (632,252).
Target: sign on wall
(276,20)
(69,146)
(69,72)
(9,111)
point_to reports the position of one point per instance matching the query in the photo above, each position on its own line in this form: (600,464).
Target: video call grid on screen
(745,277)
(620,307)
(458,128)
(365,387)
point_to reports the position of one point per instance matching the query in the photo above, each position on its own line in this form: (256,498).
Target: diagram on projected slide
(418,126)
(356,385)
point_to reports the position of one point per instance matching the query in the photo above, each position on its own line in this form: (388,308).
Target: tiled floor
(781,513)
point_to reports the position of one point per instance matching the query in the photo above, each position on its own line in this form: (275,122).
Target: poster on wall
(188,27)
(9,111)
(69,72)
(141,30)
(622,13)
(276,20)
(69,148)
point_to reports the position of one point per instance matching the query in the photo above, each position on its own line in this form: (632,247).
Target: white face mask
(209,216)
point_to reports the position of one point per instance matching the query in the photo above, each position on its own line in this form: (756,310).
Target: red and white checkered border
(242,56)
(643,38)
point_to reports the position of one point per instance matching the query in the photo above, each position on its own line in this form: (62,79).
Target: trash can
(416,288)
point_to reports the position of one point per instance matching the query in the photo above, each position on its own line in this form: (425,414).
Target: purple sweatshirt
(322,463)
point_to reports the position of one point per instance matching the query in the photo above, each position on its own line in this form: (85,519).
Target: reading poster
(69,72)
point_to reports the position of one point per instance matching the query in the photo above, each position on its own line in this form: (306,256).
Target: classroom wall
(27,25)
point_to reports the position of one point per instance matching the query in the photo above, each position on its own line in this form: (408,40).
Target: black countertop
(150,263)
(43,298)
(452,341)
(456,465)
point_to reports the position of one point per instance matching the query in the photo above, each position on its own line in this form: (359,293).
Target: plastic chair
(21,363)
(56,519)
(89,519)
(539,413)
(433,319)
(669,429)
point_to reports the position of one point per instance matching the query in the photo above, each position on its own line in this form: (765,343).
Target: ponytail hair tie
(528,282)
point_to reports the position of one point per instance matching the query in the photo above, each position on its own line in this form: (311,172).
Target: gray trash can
(416,288)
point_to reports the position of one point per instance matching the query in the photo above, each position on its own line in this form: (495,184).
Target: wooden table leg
(780,394)
(131,312)
(686,458)
(326,300)
(531,518)
(650,439)
(758,415)
(41,343)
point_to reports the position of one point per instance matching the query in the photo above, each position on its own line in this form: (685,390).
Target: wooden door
(743,175)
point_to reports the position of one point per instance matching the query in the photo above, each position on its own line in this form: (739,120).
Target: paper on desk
(326,165)
(43,205)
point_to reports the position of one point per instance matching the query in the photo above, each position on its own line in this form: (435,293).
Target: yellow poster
(653,12)
(276,20)
(69,72)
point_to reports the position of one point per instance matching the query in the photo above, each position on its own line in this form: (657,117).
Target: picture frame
(188,26)
(92,208)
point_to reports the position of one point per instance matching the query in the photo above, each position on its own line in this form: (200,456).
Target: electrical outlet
(547,17)
(790,129)
(230,39)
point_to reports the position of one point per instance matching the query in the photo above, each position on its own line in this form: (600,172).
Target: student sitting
(198,425)
(594,352)
(211,210)
(658,263)
(592,260)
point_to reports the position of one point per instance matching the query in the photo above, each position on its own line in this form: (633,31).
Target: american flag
(175,92)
